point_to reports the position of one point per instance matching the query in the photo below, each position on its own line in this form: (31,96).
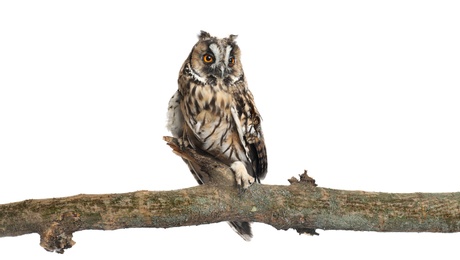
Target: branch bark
(301,206)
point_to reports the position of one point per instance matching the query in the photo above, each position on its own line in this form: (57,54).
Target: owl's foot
(183,142)
(243,179)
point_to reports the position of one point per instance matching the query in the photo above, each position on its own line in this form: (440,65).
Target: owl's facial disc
(219,59)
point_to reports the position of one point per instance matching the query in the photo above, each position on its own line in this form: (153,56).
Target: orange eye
(231,61)
(208,58)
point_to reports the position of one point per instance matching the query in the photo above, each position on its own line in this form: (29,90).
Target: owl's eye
(208,58)
(231,61)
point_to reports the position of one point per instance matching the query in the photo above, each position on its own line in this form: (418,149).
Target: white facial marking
(196,76)
(227,54)
(216,52)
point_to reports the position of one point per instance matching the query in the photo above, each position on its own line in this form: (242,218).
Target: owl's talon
(242,177)
(214,112)
(181,142)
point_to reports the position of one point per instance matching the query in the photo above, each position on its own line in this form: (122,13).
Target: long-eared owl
(214,111)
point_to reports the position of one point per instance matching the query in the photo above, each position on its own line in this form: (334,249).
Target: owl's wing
(175,118)
(257,153)
(250,130)
(175,124)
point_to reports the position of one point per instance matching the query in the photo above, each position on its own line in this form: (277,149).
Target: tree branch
(301,206)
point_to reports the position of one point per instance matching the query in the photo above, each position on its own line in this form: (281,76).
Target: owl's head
(215,58)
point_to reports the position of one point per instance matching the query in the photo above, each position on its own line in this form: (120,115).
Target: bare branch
(301,206)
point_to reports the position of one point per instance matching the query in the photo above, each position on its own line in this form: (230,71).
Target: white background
(363,94)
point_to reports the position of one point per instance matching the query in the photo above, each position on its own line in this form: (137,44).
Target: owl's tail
(243,229)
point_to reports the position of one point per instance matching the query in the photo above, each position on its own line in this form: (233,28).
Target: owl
(214,111)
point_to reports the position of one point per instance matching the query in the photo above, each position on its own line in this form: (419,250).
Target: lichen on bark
(302,206)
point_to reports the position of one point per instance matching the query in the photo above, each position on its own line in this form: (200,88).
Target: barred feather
(215,111)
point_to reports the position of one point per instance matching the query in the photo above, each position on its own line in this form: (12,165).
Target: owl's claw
(242,177)
(183,142)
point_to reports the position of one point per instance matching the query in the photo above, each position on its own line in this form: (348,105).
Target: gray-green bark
(300,206)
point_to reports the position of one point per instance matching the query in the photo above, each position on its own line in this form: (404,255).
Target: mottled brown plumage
(215,112)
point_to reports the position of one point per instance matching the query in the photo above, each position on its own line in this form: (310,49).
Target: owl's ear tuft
(232,37)
(204,35)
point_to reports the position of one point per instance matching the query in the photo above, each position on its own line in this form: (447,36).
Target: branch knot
(58,236)
(304,178)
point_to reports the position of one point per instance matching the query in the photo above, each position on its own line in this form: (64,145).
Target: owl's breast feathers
(222,120)
(214,110)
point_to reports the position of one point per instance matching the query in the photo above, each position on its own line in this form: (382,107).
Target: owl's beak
(221,68)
